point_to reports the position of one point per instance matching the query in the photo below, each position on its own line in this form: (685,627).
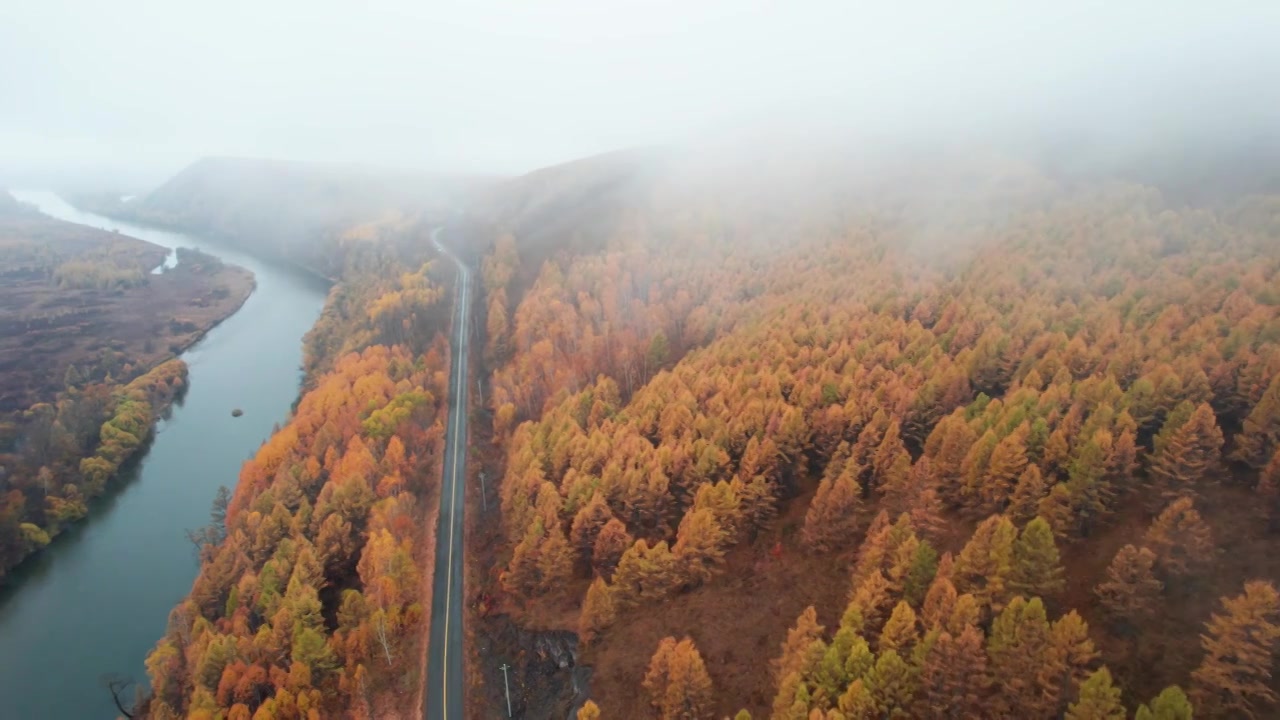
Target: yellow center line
(453,485)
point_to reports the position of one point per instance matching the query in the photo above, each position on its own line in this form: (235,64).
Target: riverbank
(94,602)
(89,339)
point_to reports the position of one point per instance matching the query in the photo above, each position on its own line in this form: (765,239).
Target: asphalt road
(444,662)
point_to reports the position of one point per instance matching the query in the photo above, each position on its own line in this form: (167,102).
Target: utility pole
(506,687)
(484,497)
(480,389)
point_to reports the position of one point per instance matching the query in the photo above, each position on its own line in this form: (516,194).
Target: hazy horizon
(139,90)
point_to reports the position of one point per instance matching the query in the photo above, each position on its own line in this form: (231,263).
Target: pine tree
(1170,704)
(831,521)
(953,679)
(1037,569)
(678,683)
(1027,495)
(611,543)
(1234,678)
(1180,539)
(598,610)
(1130,593)
(984,566)
(699,548)
(1186,453)
(1018,646)
(1099,699)
(1259,439)
(899,632)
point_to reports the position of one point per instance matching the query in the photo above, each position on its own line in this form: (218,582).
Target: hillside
(295,211)
(851,420)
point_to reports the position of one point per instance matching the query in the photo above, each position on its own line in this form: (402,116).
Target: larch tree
(1259,439)
(1170,704)
(1185,454)
(699,548)
(900,632)
(555,560)
(1235,676)
(797,650)
(939,601)
(985,564)
(589,711)
(953,678)
(678,683)
(1099,699)
(1004,469)
(1071,654)
(1027,494)
(1018,647)
(645,572)
(1131,592)
(1180,539)
(587,524)
(831,521)
(598,611)
(1037,568)
(893,683)
(612,541)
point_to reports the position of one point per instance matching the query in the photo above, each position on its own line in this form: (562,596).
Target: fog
(141,88)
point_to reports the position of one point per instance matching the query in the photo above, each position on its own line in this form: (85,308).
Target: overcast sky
(490,85)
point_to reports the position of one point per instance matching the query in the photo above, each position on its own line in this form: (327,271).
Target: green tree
(985,565)
(1099,699)
(1170,704)
(1037,569)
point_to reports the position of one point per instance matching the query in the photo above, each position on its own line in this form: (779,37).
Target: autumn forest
(945,434)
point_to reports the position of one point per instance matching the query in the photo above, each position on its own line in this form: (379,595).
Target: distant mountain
(295,210)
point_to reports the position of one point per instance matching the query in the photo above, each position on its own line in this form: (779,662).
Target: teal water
(97,599)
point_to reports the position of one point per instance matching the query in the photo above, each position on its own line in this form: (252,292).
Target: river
(97,599)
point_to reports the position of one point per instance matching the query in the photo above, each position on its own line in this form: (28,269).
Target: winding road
(444,688)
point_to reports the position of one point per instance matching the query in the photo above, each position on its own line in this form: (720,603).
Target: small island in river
(89,339)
